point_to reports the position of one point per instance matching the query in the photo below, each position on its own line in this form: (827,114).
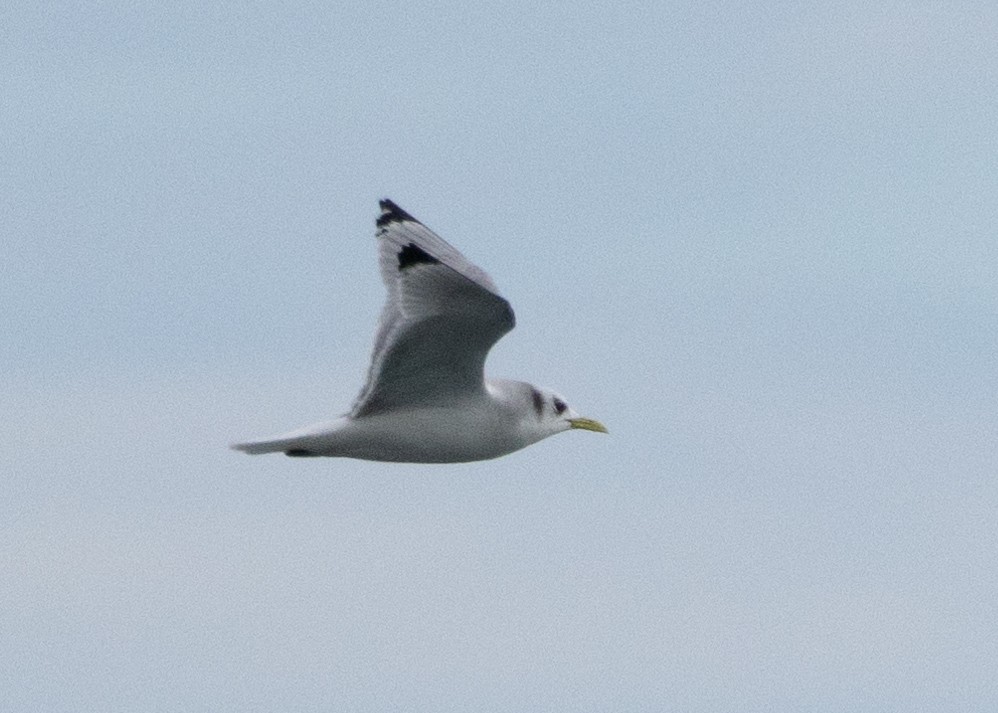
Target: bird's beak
(588,424)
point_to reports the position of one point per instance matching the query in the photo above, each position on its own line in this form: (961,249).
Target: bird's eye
(560,406)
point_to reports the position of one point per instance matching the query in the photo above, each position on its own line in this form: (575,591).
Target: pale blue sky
(757,240)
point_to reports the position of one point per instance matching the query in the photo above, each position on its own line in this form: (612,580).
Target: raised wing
(442,316)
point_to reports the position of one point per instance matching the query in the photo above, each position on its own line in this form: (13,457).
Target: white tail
(275,446)
(305,442)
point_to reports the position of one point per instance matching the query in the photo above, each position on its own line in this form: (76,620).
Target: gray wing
(441,318)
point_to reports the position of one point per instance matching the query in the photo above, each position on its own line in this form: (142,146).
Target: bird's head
(550,414)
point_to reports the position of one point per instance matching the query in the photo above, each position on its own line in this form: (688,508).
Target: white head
(543,413)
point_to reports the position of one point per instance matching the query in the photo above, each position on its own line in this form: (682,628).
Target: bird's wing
(441,317)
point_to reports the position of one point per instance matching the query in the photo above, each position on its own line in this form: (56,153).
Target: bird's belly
(427,436)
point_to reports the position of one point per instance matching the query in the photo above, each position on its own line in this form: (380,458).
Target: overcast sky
(756,240)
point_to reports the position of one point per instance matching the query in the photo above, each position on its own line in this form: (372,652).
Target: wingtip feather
(391,213)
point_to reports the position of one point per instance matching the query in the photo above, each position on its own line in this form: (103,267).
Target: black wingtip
(412,254)
(391,213)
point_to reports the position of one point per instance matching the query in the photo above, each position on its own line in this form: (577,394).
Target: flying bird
(426,399)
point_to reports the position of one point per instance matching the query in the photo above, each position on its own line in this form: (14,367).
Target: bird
(426,399)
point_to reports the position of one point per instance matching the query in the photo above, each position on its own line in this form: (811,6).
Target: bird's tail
(305,442)
(287,446)
(257,447)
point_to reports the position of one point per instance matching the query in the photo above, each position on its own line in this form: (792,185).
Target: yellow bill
(588,424)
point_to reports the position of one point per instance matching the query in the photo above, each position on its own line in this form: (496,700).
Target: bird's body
(426,399)
(468,430)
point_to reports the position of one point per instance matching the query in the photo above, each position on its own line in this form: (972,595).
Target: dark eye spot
(538,402)
(560,406)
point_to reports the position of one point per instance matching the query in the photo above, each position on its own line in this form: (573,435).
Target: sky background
(757,240)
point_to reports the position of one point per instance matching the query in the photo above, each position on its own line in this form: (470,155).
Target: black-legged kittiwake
(427,399)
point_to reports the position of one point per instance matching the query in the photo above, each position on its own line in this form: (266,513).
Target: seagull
(426,399)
